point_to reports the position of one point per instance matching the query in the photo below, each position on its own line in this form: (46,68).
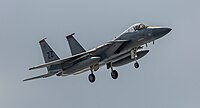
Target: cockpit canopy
(139,26)
(136,27)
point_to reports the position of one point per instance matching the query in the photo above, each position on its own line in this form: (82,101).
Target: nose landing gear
(114,74)
(134,56)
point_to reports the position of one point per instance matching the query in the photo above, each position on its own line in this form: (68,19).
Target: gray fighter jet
(124,49)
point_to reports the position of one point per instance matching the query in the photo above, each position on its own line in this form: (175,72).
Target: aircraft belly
(81,65)
(103,62)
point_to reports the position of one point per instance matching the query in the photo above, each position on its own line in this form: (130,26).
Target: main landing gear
(114,73)
(91,77)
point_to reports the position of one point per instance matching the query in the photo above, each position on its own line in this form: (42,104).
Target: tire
(91,77)
(136,65)
(114,74)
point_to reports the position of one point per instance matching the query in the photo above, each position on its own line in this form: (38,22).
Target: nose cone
(160,32)
(165,30)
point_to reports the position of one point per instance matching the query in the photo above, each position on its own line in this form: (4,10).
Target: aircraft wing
(64,60)
(41,76)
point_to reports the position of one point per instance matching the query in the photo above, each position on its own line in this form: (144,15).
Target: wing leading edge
(68,59)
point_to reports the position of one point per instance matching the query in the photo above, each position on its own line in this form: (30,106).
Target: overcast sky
(168,76)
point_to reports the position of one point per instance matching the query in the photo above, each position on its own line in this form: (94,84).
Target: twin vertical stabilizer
(74,45)
(49,55)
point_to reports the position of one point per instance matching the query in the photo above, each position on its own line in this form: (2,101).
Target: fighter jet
(124,49)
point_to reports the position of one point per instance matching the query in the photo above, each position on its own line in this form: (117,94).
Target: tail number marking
(50,54)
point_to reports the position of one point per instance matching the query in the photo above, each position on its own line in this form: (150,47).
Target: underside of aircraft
(126,48)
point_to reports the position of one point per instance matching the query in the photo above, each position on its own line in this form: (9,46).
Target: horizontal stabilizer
(41,76)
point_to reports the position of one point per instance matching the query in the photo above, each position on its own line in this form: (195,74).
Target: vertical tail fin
(74,45)
(49,55)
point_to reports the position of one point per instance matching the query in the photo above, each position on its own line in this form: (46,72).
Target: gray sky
(168,76)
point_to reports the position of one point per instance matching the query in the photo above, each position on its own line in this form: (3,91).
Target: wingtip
(24,80)
(70,35)
(43,40)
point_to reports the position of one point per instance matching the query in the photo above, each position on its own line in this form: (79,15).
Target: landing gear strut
(91,77)
(134,56)
(114,73)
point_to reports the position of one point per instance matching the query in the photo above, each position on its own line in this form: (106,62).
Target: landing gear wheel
(136,65)
(114,74)
(91,77)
